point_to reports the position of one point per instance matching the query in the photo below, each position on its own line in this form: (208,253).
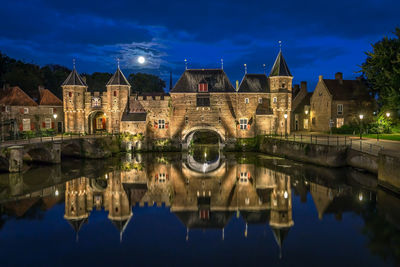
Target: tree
(146,83)
(382,71)
(97,81)
(54,76)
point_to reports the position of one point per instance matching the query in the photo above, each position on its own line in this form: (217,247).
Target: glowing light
(285,115)
(141,60)
(360,196)
(388,114)
(55,116)
(361,116)
(285,195)
(56,193)
(306,112)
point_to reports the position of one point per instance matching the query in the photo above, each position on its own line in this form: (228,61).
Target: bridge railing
(330,140)
(40,138)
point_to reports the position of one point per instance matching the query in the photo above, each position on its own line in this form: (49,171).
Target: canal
(199,208)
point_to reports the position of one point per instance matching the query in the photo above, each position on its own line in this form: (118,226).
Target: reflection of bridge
(50,149)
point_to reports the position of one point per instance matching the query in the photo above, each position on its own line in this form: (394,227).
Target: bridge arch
(39,154)
(187,135)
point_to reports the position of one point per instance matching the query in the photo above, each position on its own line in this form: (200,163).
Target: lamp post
(55,117)
(361,118)
(285,116)
(388,116)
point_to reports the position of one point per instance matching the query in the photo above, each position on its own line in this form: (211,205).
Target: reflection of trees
(383,236)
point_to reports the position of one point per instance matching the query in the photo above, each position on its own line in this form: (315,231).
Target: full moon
(141,59)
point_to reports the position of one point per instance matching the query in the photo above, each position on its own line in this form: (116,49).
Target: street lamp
(387,116)
(55,116)
(361,118)
(285,116)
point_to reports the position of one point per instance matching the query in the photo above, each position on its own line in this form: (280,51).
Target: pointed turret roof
(280,67)
(77,223)
(118,79)
(280,234)
(74,79)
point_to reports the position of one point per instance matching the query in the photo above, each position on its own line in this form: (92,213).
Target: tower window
(260,100)
(115,93)
(243,124)
(246,101)
(186,120)
(203,101)
(275,100)
(161,124)
(70,94)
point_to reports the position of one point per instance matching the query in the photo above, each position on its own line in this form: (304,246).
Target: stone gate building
(201,100)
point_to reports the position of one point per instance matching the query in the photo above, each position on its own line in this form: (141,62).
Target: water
(200,208)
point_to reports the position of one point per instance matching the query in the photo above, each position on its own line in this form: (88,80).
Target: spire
(245,68)
(118,78)
(186,64)
(74,78)
(264,69)
(222,63)
(280,67)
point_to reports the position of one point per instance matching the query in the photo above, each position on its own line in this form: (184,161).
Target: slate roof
(346,89)
(15,96)
(280,67)
(74,79)
(216,79)
(217,220)
(306,101)
(254,83)
(118,79)
(77,224)
(46,97)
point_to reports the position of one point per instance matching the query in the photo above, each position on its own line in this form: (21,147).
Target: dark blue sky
(318,37)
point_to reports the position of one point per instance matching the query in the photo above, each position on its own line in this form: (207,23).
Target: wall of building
(321,108)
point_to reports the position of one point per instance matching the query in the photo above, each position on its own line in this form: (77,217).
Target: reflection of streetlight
(306,112)
(361,118)
(56,193)
(360,196)
(285,116)
(285,195)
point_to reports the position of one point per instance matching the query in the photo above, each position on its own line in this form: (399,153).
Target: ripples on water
(199,208)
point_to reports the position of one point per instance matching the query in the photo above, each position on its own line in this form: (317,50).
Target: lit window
(243,124)
(161,124)
(51,110)
(26,110)
(274,100)
(246,100)
(244,177)
(47,123)
(162,178)
(26,124)
(340,109)
(260,100)
(339,122)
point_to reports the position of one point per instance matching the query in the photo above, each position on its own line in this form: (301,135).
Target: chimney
(296,87)
(339,77)
(320,78)
(303,85)
(41,87)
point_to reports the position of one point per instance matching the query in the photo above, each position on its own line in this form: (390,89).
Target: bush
(346,129)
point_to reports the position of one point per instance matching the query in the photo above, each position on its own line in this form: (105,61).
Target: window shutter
(32,126)
(52,124)
(20,127)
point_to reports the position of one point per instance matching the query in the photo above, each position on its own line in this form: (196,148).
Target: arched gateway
(201,100)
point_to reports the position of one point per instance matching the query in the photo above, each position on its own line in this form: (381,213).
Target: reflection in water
(256,188)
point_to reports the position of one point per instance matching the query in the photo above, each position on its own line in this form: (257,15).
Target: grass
(394,137)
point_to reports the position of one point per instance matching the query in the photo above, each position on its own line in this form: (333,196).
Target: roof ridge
(280,67)
(74,79)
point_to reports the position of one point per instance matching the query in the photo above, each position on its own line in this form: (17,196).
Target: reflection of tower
(117,204)
(78,203)
(281,209)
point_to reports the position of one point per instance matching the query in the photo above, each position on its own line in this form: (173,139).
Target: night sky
(317,37)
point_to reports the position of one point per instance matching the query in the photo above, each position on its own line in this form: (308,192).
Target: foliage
(47,132)
(146,83)
(97,81)
(382,71)
(28,134)
(125,136)
(347,129)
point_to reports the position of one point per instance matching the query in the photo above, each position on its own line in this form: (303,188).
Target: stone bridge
(12,156)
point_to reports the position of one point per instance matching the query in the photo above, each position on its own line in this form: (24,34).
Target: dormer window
(203,87)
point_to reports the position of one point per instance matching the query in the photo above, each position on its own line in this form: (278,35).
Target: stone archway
(97,122)
(188,135)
